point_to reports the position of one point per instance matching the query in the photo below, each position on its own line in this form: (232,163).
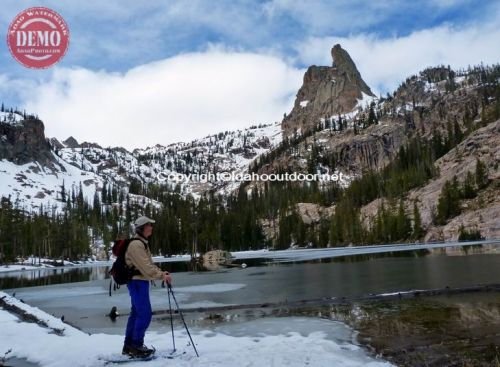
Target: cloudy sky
(162,71)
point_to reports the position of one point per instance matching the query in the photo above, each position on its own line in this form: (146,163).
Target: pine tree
(104,193)
(96,206)
(450,138)
(372,117)
(336,231)
(418,231)
(468,189)
(457,132)
(114,194)
(438,147)
(63,192)
(481,175)
(448,202)
(80,200)
(323,233)
(473,235)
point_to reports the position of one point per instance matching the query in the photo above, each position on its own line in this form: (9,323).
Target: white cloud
(176,99)
(192,95)
(385,63)
(341,15)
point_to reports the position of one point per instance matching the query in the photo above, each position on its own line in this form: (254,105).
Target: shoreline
(411,328)
(490,246)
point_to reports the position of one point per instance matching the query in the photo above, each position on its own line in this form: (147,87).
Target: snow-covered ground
(10,117)
(294,341)
(46,264)
(18,267)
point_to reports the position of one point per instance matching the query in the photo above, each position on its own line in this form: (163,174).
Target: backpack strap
(140,239)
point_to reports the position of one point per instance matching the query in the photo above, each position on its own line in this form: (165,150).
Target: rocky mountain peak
(71,142)
(326,91)
(345,66)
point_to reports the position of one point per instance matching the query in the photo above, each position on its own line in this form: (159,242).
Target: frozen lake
(86,303)
(228,338)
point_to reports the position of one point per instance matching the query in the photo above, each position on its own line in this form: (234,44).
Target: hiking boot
(140,352)
(127,349)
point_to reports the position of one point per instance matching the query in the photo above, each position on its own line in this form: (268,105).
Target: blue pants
(140,314)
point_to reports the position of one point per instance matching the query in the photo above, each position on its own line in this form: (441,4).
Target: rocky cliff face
(373,150)
(481,213)
(24,141)
(326,91)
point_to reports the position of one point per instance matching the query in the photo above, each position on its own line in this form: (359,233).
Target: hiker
(139,257)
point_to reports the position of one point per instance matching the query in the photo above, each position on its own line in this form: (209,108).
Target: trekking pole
(171,320)
(182,317)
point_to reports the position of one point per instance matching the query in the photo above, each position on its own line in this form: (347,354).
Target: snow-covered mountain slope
(32,186)
(10,117)
(35,185)
(230,151)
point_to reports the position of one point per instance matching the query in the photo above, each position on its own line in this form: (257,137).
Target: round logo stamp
(38,37)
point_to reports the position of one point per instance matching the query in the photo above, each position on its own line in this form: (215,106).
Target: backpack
(120,272)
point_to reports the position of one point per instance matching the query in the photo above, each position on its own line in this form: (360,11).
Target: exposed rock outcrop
(311,213)
(354,154)
(25,142)
(56,144)
(326,91)
(372,150)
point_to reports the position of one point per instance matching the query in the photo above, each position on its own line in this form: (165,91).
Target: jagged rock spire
(326,91)
(345,66)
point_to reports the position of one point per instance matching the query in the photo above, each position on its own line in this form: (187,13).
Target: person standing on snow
(138,256)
